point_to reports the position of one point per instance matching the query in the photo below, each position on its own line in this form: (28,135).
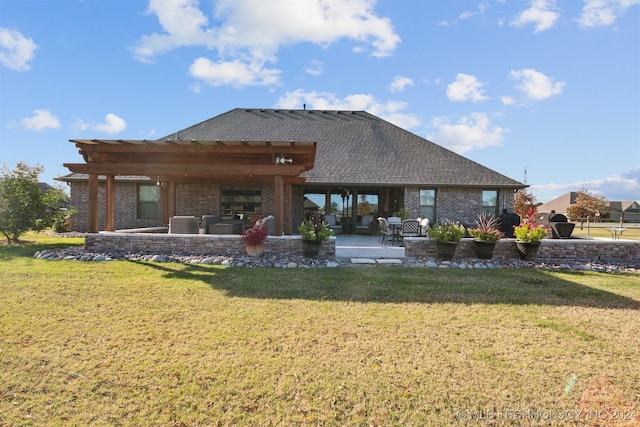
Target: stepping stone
(363,261)
(389,261)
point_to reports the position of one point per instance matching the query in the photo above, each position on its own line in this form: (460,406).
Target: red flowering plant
(530,231)
(486,229)
(257,234)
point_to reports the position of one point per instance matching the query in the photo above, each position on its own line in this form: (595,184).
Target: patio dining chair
(424,226)
(410,228)
(385,232)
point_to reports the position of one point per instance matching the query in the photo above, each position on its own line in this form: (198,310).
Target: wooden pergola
(173,161)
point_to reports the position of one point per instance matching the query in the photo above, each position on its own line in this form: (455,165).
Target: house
(627,211)
(624,211)
(267,161)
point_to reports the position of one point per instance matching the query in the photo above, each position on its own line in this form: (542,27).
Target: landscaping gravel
(295,261)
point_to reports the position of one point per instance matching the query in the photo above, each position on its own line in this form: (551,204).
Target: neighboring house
(628,211)
(559,204)
(265,161)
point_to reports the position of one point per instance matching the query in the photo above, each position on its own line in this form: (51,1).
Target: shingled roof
(353,148)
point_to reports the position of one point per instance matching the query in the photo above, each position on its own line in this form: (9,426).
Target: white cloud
(184,25)
(392,111)
(602,13)
(507,100)
(253,31)
(542,13)
(235,73)
(469,133)
(400,83)
(535,85)
(112,125)
(482,7)
(16,51)
(41,120)
(465,88)
(617,187)
(314,68)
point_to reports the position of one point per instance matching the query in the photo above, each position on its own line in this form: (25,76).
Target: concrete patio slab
(389,261)
(363,261)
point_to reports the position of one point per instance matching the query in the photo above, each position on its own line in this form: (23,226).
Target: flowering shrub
(447,231)
(529,231)
(255,235)
(486,229)
(315,229)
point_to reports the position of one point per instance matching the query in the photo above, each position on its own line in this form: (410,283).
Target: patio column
(287,200)
(278,205)
(327,202)
(110,224)
(171,197)
(93,203)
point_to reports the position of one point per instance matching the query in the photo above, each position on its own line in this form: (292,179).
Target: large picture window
(490,202)
(147,201)
(239,203)
(428,204)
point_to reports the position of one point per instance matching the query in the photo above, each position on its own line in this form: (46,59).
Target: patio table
(616,232)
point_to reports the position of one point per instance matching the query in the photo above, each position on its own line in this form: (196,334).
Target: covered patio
(172,161)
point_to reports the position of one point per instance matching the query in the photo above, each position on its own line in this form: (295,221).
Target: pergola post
(278,205)
(172,199)
(110,220)
(287,208)
(93,203)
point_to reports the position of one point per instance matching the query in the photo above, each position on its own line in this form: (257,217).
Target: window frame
(490,209)
(146,209)
(428,211)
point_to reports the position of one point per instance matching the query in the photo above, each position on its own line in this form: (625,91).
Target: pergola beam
(173,161)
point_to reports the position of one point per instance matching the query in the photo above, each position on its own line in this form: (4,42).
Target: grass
(632,231)
(125,343)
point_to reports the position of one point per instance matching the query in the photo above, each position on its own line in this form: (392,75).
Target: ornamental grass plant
(486,229)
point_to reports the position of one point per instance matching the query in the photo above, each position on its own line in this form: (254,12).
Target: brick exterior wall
(201,244)
(458,204)
(197,199)
(551,250)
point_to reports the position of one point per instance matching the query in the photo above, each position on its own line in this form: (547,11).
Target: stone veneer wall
(623,251)
(201,244)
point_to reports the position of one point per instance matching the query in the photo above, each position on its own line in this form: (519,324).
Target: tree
(23,205)
(588,204)
(523,202)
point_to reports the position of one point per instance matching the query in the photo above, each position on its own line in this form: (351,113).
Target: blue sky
(550,87)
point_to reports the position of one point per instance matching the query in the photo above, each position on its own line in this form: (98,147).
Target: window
(240,202)
(147,201)
(490,202)
(428,204)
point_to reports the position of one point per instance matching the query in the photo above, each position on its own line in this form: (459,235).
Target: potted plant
(254,238)
(447,234)
(528,236)
(314,231)
(485,235)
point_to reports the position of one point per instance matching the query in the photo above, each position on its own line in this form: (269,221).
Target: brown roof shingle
(353,147)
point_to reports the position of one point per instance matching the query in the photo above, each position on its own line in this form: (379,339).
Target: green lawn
(127,343)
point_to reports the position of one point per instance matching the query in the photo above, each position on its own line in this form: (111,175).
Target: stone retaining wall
(622,251)
(214,244)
